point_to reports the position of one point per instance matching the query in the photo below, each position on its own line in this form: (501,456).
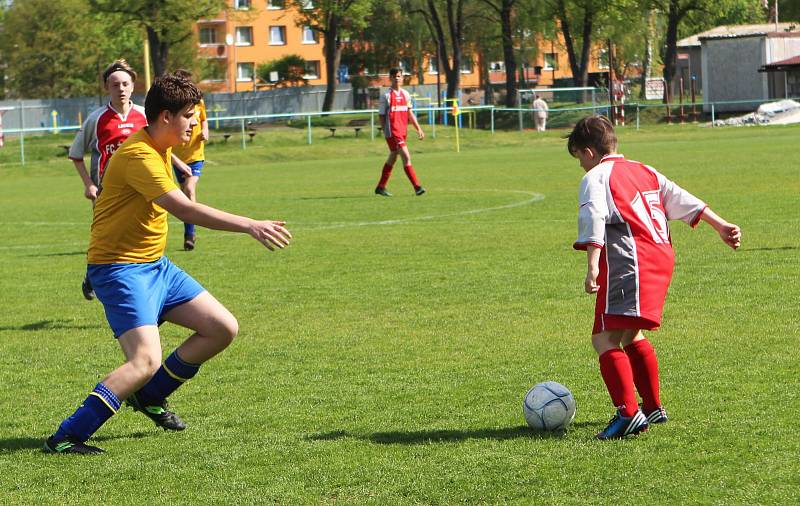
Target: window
(245,71)
(312,69)
(276,4)
(433,65)
(277,35)
(602,59)
(466,65)
(208,35)
(405,66)
(551,61)
(241,4)
(244,35)
(310,36)
(497,66)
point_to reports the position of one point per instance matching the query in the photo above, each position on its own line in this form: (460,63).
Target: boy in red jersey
(395,112)
(622,225)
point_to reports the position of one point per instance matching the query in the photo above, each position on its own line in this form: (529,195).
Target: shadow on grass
(49,324)
(445,435)
(60,254)
(773,248)
(30,443)
(367,195)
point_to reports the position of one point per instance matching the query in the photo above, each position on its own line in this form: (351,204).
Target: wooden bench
(357,124)
(65,147)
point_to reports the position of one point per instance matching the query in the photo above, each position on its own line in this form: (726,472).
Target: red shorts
(395,143)
(605,321)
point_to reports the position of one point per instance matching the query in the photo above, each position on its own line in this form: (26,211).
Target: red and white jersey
(624,209)
(395,107)
(102,133)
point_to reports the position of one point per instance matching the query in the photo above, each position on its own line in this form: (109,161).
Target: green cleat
(69,444)
(159,413)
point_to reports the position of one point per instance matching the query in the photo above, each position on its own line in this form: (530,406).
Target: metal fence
(486,117)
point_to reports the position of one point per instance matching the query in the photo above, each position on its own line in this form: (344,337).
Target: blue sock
(172,374)
(95,410)
(188,229)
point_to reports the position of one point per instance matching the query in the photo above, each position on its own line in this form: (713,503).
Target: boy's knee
(227,329)
(145,366)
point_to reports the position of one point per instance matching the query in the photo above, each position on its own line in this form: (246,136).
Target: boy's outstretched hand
(271,234)
(730,234)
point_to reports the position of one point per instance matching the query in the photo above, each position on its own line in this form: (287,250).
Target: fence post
(434,121)
(637,116)
(22,133)
(712,114)
(308,118)
(371,126)
(493,119)
(244,143)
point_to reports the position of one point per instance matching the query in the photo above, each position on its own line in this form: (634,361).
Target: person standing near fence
(395,112)
(540,110)
(192,153)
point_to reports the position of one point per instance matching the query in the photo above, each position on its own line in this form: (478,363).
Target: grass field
(383,357)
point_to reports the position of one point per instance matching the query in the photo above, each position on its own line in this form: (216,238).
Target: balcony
(216,51)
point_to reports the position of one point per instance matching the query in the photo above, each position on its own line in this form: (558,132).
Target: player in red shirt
(104,130)
(395,113)
(622,225)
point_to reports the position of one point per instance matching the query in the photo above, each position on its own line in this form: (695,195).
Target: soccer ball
(549,406)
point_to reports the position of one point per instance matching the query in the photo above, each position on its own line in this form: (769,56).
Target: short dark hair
(170,93)
(119,65)
(394,71)
(183,73)
(594,132)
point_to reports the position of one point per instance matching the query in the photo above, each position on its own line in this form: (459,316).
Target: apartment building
(254,32)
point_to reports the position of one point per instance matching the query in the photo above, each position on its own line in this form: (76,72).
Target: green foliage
(383,357)
(290,69)
(61,54)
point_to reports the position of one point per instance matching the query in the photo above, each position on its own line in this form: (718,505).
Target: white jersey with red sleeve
(102,133)
(395,107)
(624,209)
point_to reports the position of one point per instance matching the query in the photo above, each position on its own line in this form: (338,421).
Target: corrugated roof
(725,31)
(786,64)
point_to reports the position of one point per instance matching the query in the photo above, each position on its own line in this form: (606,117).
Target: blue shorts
(134,295)
(197,170)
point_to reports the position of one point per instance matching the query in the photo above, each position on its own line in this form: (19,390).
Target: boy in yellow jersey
(192,153)
(138,286)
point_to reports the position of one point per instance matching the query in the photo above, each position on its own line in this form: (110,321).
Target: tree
(168,23)
(584,11)
(290,70)
(504,10)
(334,19)
(60,54)
(449,43)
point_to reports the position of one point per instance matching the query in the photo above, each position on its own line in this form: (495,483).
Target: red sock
(385,174)
(411,176)
(618,377)
(645,372)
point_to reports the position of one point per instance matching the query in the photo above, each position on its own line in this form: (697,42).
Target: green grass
(383,357)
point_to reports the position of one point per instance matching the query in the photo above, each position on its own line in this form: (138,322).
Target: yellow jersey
(128,227)
(194,150)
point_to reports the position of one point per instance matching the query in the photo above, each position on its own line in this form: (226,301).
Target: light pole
(229,40)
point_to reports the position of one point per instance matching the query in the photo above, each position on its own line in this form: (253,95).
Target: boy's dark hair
(394,71)
(170,93)
(119,65)
(183,74)
(594,132)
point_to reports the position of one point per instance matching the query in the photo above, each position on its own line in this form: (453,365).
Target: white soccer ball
(549,406)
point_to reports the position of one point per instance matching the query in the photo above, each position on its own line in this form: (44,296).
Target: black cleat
(419,191)
(88,291)
(382,192)
(69,444)
(160,414)
(188,242)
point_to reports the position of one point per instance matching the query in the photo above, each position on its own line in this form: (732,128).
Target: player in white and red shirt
(395,113)
(624,207)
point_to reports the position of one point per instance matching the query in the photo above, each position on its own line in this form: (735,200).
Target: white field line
(532,197)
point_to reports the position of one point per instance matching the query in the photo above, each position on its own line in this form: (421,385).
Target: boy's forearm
(215,219)
(593,257)
(80,168)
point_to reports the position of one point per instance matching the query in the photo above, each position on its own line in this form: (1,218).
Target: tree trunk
(561,14)
(673,20)
(647,64)
(333,55)
(159,50)
(452,70)
(508,53)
